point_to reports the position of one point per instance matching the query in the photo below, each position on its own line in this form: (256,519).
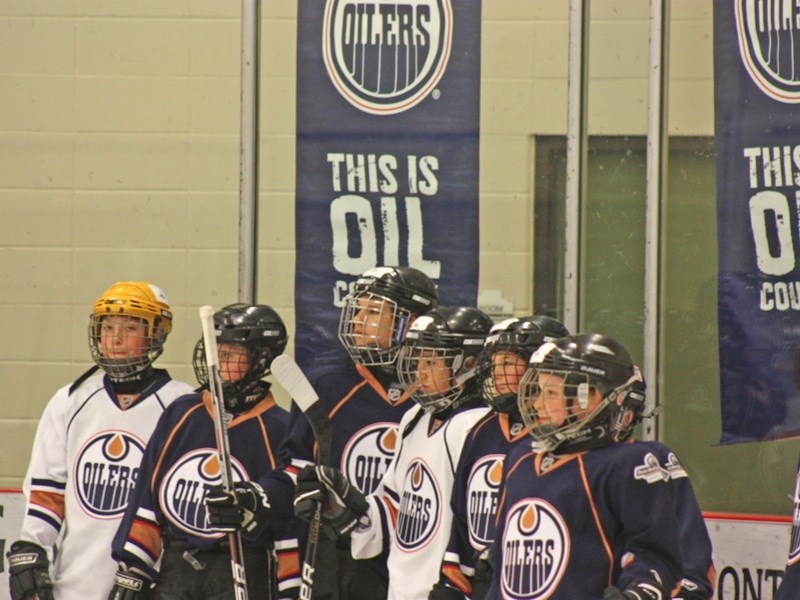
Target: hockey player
(410,512)
(166,517)
(365,402)
(589,513)
(87,449)
(501,365)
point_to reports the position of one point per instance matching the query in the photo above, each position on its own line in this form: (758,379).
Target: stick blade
(294,381)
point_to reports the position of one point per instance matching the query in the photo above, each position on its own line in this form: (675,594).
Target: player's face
(507,370)
(433,374)
(123,337)
(557,404)
(372,323)
(233,362)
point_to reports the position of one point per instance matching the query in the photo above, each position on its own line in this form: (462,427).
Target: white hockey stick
(223,446)
(294,381)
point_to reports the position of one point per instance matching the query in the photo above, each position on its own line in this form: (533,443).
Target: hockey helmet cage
(580,392)
(261,332)
(438,360)
(378,311)
(506,353)
(137,300)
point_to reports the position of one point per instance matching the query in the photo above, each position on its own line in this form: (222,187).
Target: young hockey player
(365,402)
(588,513)
(167,515)
(410,512)
(87,449)
(501,364)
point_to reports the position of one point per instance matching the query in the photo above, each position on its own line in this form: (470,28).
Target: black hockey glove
(640,591)
(342,504)
(29,572)
(444,592)
(245,509)
(129,583)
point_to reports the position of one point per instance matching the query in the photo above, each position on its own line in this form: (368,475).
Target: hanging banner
(387,153)
(757,102)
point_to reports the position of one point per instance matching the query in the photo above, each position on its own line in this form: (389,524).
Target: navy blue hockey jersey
(181,463)
(568,527)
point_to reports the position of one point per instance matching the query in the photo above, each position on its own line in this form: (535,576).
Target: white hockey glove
(245,509)
(342,504)
(29,572)
(129,583)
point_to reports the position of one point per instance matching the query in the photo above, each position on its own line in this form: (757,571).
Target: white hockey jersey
(83,467)
(412,502)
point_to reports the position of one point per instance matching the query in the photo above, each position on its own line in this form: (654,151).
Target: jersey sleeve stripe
(457,578)
(48,485)
(50,503)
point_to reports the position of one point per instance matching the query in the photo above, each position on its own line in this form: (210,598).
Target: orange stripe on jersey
(288,563)
(457,578)
(267,445)
(169,440)
(50,501)
(587,488)
(378,386)
(146,535)
(261,406)
(344,400)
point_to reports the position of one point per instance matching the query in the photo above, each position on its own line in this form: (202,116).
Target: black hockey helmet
(393,296)
(443,345)
(581,391)
(260,331)
(506,353)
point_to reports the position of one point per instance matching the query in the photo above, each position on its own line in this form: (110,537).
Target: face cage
(254,371)
(353,335)
(412,359)
(573,408)
(500,401)
(122,368)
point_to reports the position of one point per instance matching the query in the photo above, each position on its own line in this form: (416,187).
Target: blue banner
(757,91)
(387,153)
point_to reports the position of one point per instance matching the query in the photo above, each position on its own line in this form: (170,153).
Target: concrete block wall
(119,150)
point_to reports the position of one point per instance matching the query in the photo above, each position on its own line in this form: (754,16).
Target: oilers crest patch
(386,56)
(105,471)
(420,513)
(536,550)
(769,45)
(483,493)
(367,455)
(185,486)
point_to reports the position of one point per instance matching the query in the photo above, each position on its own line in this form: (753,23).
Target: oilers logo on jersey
(367,455)
(419,516)
(105,472)
(186,484)
(483,492)
(536,550)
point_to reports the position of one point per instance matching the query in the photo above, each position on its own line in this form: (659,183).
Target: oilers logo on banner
(367,455)
(105,472)
(483,491)
(185,486)
(419,515)
(535,550)
(386,56)
(769,44)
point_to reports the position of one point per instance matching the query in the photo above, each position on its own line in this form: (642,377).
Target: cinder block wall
(119,159)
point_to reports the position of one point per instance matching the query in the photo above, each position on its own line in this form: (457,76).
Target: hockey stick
(223,446)
(294,381)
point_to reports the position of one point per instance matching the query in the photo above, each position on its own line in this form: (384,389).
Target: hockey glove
(129,583)
(29,572)
(342,504)
(640,591)
(245,509)
(444,592)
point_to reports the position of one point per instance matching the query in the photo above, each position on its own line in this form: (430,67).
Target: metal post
(248,150)
(577,140)
(657,146)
